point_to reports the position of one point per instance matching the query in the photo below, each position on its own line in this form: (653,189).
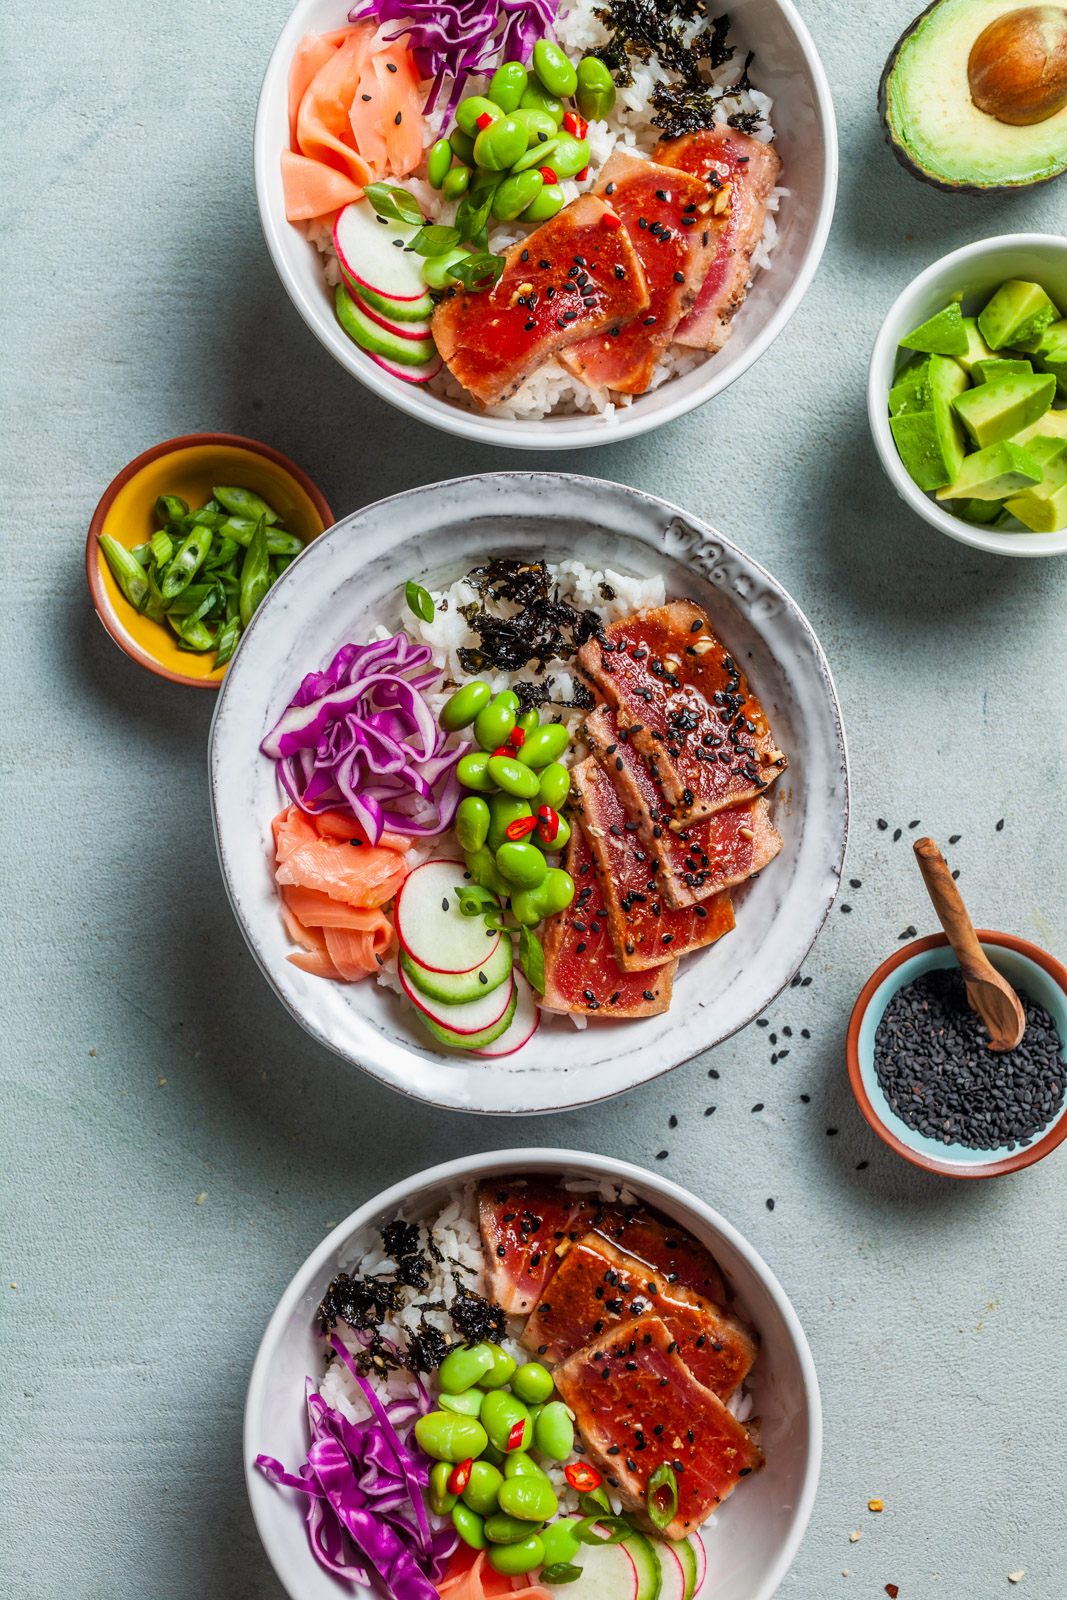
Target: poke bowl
(351,124)
(337,1373)
(502,909)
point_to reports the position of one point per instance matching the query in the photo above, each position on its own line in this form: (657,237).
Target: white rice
(552,390)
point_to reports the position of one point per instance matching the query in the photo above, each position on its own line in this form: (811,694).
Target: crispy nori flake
(644,30)
(476,1319)
(426,1349)
(542,627)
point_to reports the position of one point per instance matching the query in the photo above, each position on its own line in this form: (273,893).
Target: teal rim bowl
(1028,968)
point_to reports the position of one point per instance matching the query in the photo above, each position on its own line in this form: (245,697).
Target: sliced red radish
(420,310)
(371,251)
(608,1573)
(696,1544)
(430,925)
(405,330)
(472,1016)
(671,1576)
(523,1026)
(422,374)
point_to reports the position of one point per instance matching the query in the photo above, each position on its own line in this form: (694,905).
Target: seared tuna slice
(523,1226)
(638,1407)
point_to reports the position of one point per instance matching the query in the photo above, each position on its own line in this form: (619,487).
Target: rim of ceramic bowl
(532,434)
(880,370)
(502,1161)
(105,610)
(990,1169)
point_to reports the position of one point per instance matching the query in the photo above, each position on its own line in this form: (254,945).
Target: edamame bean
(502,1529)
(438,164)
(529,1499)
(481,865)
(595,93)
(543,745)
(493,724)
(555,892)
(539,124)
(464,1366)
(508,84)
(483,1487)
(554,1431)
(503,810)
(468,1524)
(550,200)
(470,111)
(539,155)
(553,69)
(501,143)
(472,770)
(532,1383)
(528,721)
(569,156)
(502,1412)
(554,846)
(460,709)
(457,182)
(516,192)
(555,785)
(495,1456)
(521,1465)
(500,1372)
(559,1541)
(537,98)
(450,1438)
(472,823)
(508,697)
(517,1558)
(437,270)
(521,863)
(441,1497)
(527,906)
(506,773)
(462,146)
(467,1404)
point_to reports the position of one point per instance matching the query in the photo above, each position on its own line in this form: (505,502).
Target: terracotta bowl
(187,467)
(1029,969)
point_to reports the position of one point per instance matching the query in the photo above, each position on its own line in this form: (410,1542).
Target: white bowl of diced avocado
(967,395)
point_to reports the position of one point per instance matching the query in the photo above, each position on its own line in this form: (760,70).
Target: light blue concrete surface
(146,1065)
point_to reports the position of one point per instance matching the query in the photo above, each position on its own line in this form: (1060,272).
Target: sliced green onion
(593,1501)
(397,205)
(588,1530)
(434,240)
(474,900)
(560,1572)
(420,601)
(532,962)
(162,547)
(478,272)
(127,573)
(171,508)
(663,1496)
(226,640)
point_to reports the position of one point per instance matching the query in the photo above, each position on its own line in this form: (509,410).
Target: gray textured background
(145,1062)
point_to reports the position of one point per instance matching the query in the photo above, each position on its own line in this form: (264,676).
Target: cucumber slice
(470,1041)
(474,1017)
(672,1574)
(370,250)
(430,925)
(608,1573)
(396,310)
(686,1557)
(456,988)
(640,1549)
(402,330)
(524,1024)
(378,340)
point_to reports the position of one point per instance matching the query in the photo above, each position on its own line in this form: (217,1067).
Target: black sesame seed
(661,1155)
(770,1204)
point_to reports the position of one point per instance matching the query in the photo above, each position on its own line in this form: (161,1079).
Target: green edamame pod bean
(472,770)
(483,1487)
(537,156)
(555,785)
(502,1529)
(529,1499)
(441,1497)
(517,1558)
(456,182)
(468,1524)
(472,823)
(528,721)
(508,697)
(464,1367)
(510,775)
(439,163)
(470,110)
(507,85)
(467,1404)
(483,183)
(544,744)
(460,710)
(450,1438)
(517,191)
(554,1431)
(462,146)
(538,124)
(243,503)
(559,1541)
(595,94)
(503,810)
(493,724)
(553,69)
(537,98)
(550,200)
(532,1383)
(521,1465)
(521,863)
(563,833)
(255,574)
(557,891)
(501,143)
(500,1372)
(501,1412)
(437,270)
(494,1456)
(528,907)
(481,864)
(127,573)
(569,156)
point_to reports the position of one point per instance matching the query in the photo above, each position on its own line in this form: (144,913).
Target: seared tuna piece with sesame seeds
(639,1407)
(686,707)
(691,862)
(598,1285)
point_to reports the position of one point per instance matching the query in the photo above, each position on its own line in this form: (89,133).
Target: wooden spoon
(988,993)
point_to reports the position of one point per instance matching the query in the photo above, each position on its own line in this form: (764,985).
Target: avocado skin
(906,161)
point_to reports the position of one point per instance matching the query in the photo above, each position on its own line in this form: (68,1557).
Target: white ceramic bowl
(352,577)
(975,272)
(751,1542)
(788,68)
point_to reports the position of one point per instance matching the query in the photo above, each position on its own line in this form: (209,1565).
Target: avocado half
(934,128)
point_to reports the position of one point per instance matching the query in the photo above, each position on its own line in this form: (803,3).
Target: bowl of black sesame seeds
(923,1074)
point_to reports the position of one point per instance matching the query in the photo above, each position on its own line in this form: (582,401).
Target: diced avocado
(923,381)
(994,473)
(1052,425)
(1043,508)
(987,513)
(1017,312)
(930,441)
(1051,353)
(941,335)
(998,367)
(994,411)
(977,349)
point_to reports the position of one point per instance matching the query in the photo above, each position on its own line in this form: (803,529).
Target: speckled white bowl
(787,67)
(352,577)
(751,1542)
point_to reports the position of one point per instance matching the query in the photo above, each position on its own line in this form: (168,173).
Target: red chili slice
(483,122)
(503,750)
(610,220)
(547,823)
(460,1475)
(520,827)
(517,738)
(515,1437)
(548,175)
(581,1476)
(575,124)
(580,177)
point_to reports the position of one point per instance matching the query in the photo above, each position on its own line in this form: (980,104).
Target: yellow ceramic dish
(188,467)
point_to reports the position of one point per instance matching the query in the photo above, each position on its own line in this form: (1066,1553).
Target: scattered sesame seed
(769,1204)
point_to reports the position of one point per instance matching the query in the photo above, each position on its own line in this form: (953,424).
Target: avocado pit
(1017,68)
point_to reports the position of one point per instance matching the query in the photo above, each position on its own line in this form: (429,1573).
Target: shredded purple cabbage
(450,40)
(359,738)
(366,1510)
